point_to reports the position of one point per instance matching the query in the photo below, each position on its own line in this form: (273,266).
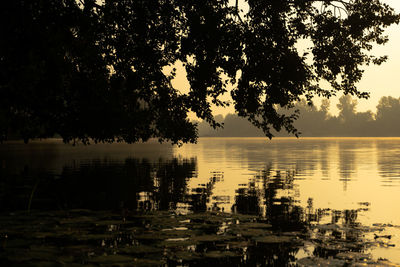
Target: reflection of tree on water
(342,235)
(134,184)
(347,162)
(201,196)
(341,232)
(171,182)
(247,200)
(388,160)
(271,194)
(109,185)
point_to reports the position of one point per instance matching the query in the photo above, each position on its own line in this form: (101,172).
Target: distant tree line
(317,121)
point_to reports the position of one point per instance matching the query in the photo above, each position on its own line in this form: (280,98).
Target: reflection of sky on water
(389,162)
(288,181)
(337,173)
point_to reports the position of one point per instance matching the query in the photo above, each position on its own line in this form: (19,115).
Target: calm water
(335,173)
(285,181)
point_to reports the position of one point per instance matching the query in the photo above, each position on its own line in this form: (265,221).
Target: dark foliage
(86,70)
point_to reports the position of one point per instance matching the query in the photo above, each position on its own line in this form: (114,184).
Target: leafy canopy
(86,70)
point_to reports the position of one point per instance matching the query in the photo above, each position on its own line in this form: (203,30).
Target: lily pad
(142,249)
(315,261)
(111,259)
(274,239)
(219,254)
(328,227)
(238,244)
(186,256)
(176,244)
(212,238)
(354,256)
(77,220)
(255,225)
(95,237)
(147,262)
(248,232)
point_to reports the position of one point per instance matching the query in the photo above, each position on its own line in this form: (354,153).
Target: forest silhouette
(317,121)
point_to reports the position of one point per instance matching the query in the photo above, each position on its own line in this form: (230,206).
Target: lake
(241,201)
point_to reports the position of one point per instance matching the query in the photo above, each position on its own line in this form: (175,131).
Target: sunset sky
(380,80)
(383,80)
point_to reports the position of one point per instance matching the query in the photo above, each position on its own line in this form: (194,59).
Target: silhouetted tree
(350,122)
(347,108)
(313,120)
(234,126)
(88,70)
(387,114)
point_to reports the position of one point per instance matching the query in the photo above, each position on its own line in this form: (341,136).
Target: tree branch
(326,2)
(237,11)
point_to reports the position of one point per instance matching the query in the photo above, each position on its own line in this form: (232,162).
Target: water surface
(289,185)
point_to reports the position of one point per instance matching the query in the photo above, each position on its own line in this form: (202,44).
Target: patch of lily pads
(84,237)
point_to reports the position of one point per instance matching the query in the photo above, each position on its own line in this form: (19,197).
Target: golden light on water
(347,184)
(337,173)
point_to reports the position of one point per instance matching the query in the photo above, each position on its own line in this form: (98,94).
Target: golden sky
(383,80)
